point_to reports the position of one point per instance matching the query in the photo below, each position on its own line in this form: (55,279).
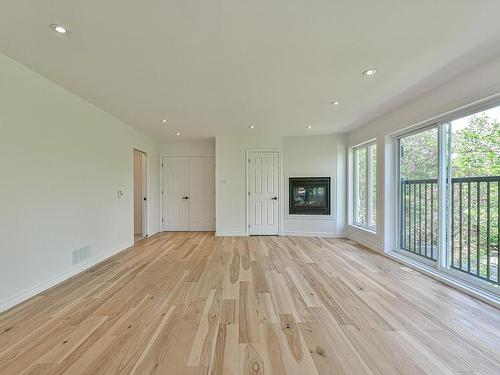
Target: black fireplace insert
(309,196)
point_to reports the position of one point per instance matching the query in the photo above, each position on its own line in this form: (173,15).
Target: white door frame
(145,199)
(145,207)
(162,226)
(280,187)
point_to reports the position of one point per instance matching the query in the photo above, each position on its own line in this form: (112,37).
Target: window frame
(397,148)
(372,227)
(442,122)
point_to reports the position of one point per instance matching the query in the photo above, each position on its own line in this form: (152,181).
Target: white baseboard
(365,237)
(40,287)
(285,233)
(368,244)
(313,234)
(230,234)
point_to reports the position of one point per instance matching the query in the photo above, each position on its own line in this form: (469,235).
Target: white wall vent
(82,254)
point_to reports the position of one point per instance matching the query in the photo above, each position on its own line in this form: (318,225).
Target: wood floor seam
(192,303)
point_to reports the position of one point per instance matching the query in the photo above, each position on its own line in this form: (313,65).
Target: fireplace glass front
(309,196)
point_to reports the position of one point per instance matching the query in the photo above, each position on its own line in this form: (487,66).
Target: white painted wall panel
(62,161)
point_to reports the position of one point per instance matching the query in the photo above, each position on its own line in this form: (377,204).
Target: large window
(449,195)
(474,184)
(365,185)
(418,174)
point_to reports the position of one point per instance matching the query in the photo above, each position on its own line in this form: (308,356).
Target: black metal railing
(474,213)
(419,217)
(475,208)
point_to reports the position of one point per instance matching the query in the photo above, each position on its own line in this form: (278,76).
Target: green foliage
(476,148)
(362,193)
(475,151)
(419,155)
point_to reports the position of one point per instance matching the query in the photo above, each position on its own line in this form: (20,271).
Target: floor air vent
(81,254)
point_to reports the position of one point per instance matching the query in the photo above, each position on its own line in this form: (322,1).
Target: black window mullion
(478,231)
(488,271)
(468,224)
(460,225)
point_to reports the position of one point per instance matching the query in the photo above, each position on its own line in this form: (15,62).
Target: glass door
(418,193)
(449,196)
(474,183)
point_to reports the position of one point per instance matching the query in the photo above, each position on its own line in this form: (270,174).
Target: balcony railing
(419,213)
(474,214)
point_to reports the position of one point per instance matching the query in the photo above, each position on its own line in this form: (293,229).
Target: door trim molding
(280,187)
(145,192)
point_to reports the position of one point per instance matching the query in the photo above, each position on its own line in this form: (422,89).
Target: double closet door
(188,193)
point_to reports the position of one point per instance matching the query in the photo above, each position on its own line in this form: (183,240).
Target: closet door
(176,193)
(202,193)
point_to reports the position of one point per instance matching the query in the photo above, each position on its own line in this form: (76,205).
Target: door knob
(185,197)
(274,198)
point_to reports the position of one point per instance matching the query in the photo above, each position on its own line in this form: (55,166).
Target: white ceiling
(215,67)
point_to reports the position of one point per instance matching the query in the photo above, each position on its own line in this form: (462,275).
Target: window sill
(360,228)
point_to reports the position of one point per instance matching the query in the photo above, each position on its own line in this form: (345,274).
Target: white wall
(478,83)
(62,161)
(305,156)
(230,180)
(189,148)
(313,156)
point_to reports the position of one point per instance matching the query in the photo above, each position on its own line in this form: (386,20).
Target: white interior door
(202,193)
(144,196)
(263,193)
(176,193)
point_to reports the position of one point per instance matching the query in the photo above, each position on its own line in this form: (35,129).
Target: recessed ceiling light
(309,126)
(178,134)
(370,72)
(335,103)
(164,121)
(251,127)
(60,29)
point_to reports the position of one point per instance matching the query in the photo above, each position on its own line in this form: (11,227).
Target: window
(474,193)
(418,185)
(365,185)
(449,196)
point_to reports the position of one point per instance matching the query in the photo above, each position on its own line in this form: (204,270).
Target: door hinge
(248,193)
(248,225)
(249,160)
(162,164)
(162,192)
(162,220)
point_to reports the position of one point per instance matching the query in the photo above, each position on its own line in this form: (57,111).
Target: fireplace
(309,196)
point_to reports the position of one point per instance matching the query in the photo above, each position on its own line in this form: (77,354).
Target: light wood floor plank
(193,303)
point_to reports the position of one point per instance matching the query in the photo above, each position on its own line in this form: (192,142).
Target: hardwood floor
(192,303)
